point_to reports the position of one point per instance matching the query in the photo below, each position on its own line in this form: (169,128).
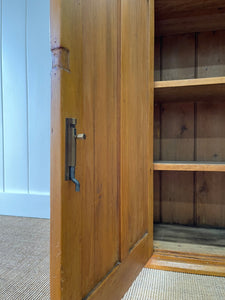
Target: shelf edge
(189,82)
(189,166)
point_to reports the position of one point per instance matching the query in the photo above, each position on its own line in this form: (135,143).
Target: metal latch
(71,145)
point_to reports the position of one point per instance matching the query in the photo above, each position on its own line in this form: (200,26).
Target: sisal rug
(24,258)
(24,269)
(163,285)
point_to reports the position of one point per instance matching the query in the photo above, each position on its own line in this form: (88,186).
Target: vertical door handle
(71,147)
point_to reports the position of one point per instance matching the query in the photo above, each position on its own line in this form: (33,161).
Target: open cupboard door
(102,86)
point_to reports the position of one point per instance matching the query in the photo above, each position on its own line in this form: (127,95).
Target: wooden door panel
(135,122)
(66,206)
(100,104)
(102,236)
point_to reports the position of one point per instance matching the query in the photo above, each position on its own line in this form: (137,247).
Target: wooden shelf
(174,17)
(190,89)
(189,166)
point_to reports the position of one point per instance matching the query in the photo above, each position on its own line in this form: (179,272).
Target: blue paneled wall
(25,108)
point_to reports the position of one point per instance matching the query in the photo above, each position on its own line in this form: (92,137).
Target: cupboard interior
(189,115)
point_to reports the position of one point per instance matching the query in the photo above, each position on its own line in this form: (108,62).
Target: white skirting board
(25,205)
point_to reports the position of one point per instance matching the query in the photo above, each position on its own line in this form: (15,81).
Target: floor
(163,285)
(24,269)
(24,258)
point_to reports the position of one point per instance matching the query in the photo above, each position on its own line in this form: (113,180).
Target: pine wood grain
(124,274)
(205,122)
(177,131)
(102,236)
(211,54)
(189,166)
(177,197)
(208,89)
(189,16)
(157,132)
(100,103)
(189,247)
(136,122)
(157,61)
(177,57)
(210,203)
(157,197)
(192,236)
(192,263)
(210,133)
(177,143)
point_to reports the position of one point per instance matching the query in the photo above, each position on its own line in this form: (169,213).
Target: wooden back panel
(185,56)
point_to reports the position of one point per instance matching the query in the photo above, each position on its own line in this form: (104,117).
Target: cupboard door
(102,76)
